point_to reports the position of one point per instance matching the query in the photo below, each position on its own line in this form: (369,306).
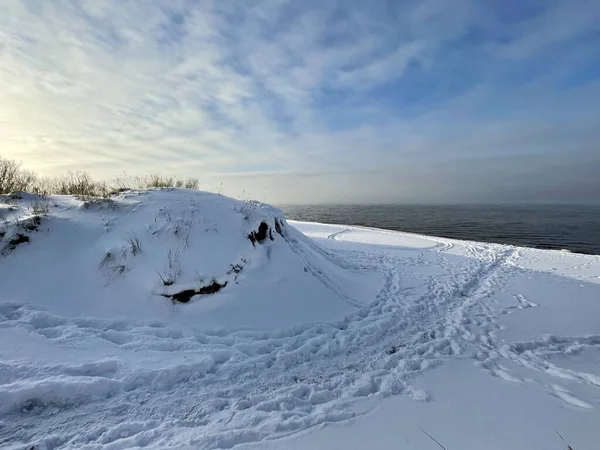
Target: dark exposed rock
(186,295)
(259,235)
(16,240)
(32,223)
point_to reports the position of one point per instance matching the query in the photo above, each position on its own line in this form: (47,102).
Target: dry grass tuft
(126,182)
(134,244)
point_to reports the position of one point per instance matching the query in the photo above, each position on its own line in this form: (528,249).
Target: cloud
(237,91)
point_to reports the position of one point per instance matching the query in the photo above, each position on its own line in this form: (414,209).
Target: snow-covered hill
(182,319)
(139,254)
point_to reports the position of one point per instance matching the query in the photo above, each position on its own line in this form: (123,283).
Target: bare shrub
(74,183)
(40,206)
(14,178)
(191,183)
(248,206)
(157,181)
(173,270)
(126,182)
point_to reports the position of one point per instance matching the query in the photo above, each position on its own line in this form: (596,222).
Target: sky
(328,101)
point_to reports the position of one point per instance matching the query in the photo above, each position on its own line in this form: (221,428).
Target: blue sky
(311,101)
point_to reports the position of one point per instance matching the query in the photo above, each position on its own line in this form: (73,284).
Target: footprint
(115,337)
(11,311)
(504,374)
(42,320)
(50,333)
(524,303)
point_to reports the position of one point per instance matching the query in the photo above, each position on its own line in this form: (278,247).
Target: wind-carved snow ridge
(302,330)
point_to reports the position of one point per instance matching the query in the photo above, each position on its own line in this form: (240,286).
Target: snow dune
(302,335)
(121,257)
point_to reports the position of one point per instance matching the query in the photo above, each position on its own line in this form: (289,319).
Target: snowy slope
(355,338)
(83,259)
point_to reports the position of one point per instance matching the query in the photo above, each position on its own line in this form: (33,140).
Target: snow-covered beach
(318,336)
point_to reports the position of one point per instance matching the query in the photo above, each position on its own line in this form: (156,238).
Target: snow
(325,337)
(86,253)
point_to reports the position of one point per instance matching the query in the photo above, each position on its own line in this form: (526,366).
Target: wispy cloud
(228,90)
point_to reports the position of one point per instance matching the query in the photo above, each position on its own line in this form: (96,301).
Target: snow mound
(143,254)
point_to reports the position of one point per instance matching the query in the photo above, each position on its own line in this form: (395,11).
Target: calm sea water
(574,228)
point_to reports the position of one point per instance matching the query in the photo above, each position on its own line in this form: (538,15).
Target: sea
(560,227)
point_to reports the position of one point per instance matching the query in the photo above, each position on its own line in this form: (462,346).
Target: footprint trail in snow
(157,385)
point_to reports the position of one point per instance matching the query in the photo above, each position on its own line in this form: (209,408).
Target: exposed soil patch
(17,239)
(32,223)
(14,240)
(186,295)
(261,234)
